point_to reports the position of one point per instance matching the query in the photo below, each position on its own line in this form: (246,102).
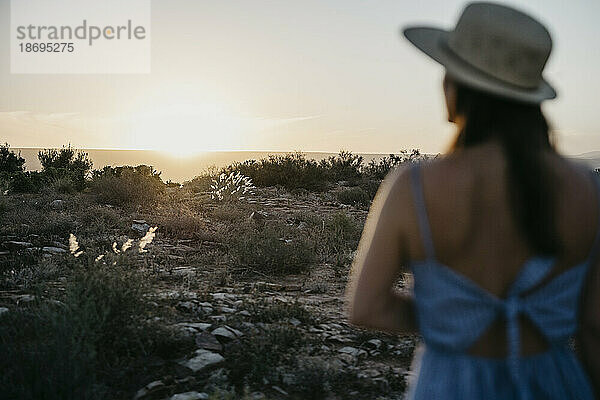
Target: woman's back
(474,233)
(485,303)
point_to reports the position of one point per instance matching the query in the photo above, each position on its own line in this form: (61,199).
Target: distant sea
(180,169)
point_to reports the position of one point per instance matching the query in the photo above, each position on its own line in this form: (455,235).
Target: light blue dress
(453,312)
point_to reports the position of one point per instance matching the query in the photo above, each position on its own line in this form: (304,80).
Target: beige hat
(494,48)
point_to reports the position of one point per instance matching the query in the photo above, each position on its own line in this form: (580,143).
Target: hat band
(484,74)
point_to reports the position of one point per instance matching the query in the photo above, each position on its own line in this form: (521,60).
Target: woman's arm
(372,301)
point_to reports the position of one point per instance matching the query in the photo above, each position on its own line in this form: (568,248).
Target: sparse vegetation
(94,314)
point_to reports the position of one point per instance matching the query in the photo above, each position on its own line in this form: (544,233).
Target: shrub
(66,164)
(54,352)
(10,162)
(271,249)
(292,170)
(344,166)
(257,357)
(378,169)
(354,196)
(270,311)
(127,185)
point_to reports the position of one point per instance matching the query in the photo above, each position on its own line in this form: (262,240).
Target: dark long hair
(524,133)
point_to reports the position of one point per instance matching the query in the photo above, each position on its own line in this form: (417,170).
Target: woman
(501,233)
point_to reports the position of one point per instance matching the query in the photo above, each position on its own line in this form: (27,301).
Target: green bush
(344,166)
(256,357)
(127,185)
(10,162)
(272,249)
(270,311)
(292,170)
(66,164)
(354,196)
(88,344)
(378,169)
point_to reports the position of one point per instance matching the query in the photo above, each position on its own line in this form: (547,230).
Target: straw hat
(494,48)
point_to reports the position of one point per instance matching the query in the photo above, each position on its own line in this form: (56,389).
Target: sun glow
(186,129)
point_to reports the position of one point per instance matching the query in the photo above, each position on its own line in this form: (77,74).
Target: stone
(53,250)
(199,326)
(23,298)
(339,339)
(15,245)
(228,309)
(353,351)
(295,321)
(140,226)
(188,306)
(60,245)
(57,204)
(374,343)
(226,333)
(203,360)
(3,310)
(220,318)
(244,313)
(280,390)
(189,396)
(152,387)
(207,310)
(207,341)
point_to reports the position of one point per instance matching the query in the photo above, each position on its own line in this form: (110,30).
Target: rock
(208,341)
(59,245)
(14,245)
(374,343)
(247,325)
(4,253)
(205,304)
(53,250)
(207,310)
(23,298)
(220,318)
(339,339)
(226,332)
(244,313)
(227,309)
(57,204)
(295,321)
(140,226)
(369,373)
(202,360)
(3,310)
(189,396)
(280,390)
(187,306)
(353,351)
(151,388)
(198,326)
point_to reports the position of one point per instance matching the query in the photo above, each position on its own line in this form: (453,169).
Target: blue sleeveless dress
(453,312)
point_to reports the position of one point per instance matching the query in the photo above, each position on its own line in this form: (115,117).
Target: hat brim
(433,42)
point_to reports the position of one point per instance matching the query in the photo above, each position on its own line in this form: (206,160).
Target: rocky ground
(242,331)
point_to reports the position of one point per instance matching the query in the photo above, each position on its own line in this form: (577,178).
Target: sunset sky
(309,75)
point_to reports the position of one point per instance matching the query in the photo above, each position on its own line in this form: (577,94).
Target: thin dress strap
(596,244)
(417,188)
